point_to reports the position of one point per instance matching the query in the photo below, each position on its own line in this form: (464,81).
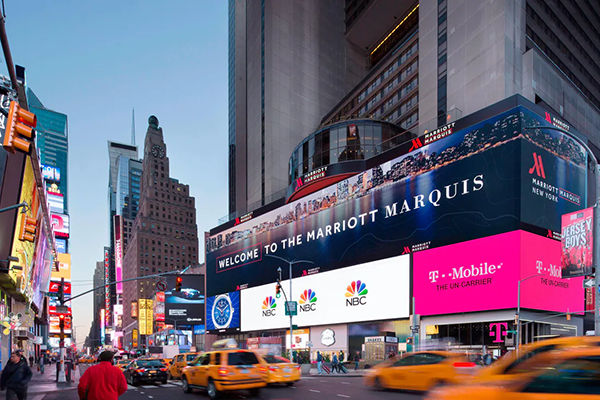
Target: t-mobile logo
(499,329)
(539,265)
(433,275)
(538,166)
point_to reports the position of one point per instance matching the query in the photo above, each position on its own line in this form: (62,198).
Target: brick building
(164,236)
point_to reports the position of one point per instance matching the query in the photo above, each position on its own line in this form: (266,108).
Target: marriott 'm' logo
(416,143)
(538,166)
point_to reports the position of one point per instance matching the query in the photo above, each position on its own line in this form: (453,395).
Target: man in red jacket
(102,381)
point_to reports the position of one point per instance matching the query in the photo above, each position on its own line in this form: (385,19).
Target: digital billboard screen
(577,258)
(362,292)
(60,223)
(483,274)
(188,304)
(223,313)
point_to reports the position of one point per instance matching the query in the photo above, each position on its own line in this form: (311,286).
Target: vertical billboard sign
(577,243)
(142,316)
(186,305)
(149,317)
(134,337)
(134,309)
(102,325)
(106,282)
(119,252)
(159,307)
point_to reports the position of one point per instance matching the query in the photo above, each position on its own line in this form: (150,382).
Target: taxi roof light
(225,344)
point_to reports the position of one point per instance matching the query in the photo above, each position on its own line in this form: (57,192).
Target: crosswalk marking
(168,385)
(149,387)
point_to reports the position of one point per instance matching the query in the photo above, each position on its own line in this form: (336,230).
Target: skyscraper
(52,138)
(164,236)
(419,65)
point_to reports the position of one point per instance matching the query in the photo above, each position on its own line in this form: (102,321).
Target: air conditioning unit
(23,334)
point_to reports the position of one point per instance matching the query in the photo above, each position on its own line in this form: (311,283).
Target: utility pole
(62,377)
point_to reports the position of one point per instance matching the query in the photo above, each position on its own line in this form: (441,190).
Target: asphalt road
(313,388)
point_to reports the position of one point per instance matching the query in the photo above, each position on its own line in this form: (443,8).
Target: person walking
(42,363)
(319,363)
(334,364)
(31,361)
(15,377)
(356,360)
(102,381)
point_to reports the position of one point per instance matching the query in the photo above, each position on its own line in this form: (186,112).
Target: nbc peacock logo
(269,305)
(308,301)
(356,294)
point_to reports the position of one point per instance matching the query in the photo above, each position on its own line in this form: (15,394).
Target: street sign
(62,309)
(589,283)
(161,286)
(291,308)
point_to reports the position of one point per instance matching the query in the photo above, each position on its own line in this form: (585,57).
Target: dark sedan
(146,371)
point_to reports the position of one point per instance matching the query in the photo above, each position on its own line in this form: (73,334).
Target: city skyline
(96,76)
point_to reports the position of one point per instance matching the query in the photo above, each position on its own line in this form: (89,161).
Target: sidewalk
(351,373)
(46,383)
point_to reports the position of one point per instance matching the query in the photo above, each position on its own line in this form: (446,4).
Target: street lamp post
(518,342)
(596,245)
(290,263)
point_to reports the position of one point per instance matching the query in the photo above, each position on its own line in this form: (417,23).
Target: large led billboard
(118,223)
(64,267)
(466,184)
(186,305)
(223,313)
(60,223)
(577,258)
(376,290)
(483,274)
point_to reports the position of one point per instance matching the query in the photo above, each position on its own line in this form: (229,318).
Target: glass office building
(52,140)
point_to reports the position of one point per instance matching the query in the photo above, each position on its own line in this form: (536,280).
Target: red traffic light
(178,284)
(61,316)
(179,279)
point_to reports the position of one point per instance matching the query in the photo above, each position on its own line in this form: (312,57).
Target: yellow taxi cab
(512,366)
(166,361)
(421,371)
(225,368)
(122,364)
(562,375)
(281,370)
(179,362)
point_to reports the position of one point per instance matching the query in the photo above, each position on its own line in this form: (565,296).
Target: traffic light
(278,290)
(19,129)
(178,284)
(28,226)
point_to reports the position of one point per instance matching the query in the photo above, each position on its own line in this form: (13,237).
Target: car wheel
(377,385)
(212,391)
(164,381)
(133,382)
(255,392)
(437,385)
(185,385)
(290,383)
(170,377)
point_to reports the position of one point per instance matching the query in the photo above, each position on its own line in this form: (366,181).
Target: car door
(203,364)
(428,370)
(394,376)
(194,373)
(180,364)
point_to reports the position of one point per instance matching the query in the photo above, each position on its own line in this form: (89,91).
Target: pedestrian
(356,360)
(42,364)
(341,356)
(16,376)
(319,363)
(102,381)
(31,361)
(487,359)
(334,364)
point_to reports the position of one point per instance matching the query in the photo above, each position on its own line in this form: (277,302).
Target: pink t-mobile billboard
(483,274)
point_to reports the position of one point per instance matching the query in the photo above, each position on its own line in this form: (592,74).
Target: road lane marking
(344,396)
(149,387)
(150,397)
(315,391)
(39,397)
(168,385)
(141,392)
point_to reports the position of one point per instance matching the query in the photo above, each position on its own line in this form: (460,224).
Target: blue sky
(95,61)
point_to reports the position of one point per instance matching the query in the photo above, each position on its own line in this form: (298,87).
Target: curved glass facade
(357,139)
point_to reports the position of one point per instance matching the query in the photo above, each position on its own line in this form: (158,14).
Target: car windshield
(242,358)
(149,363)
(275,359)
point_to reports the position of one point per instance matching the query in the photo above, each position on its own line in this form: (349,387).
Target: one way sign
(589,283)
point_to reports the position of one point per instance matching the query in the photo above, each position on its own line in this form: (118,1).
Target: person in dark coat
(15,377)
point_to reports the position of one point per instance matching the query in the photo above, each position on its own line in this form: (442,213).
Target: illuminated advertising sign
(57,202)
(106,282)
(50,173)
(159,307)
(118,316)
(300,337)
(142,316)
(199,330)
(223,313)
(134,337)
(60,223)
(61,245)
(134,309)
(119,252)
(188,304)
(55,287)
(577,243)
(55,324)
(483,274)
(359,293)
(103,325)
(435,195)
(64,267)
